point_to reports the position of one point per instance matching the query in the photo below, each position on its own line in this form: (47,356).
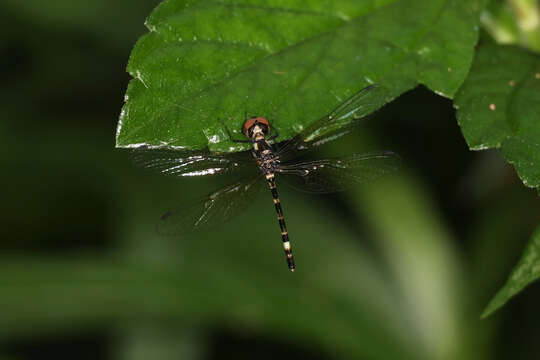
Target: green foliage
(500,22)
(98,17)
(379,275)
(289,61)
(208,63)
(498,106)
(340,299)
(525,272)
(514,22)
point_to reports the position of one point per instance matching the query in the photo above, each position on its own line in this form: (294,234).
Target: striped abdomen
(284,234)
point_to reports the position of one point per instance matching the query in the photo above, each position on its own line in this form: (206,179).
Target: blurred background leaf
(526,271)
(208,60)
(110,22)
(514,22)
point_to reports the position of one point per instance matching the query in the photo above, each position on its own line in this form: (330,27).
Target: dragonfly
(267,160)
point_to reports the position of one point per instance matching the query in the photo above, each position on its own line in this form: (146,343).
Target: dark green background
(83,275)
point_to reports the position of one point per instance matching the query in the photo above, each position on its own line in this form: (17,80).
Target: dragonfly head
(255,126)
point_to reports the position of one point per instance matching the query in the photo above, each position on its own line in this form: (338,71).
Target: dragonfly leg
(230,135)
(275,135)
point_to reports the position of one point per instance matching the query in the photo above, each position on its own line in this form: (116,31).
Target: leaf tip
(488,311)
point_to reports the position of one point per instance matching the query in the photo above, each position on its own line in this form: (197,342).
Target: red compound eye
(262,120)
(253,121)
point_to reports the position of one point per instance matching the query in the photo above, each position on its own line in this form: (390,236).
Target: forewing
(340,121)
(189,163)
(217,207)
(337,174)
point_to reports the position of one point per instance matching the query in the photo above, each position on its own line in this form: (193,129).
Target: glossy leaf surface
(290,61)
(499,107)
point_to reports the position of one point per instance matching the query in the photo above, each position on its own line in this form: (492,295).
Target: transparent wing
(340,121)
(215,208)
(337,174)
(189,163)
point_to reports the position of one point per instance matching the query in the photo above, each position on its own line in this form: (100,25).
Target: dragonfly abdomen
(281,220)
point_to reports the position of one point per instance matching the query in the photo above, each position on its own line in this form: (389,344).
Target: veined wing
(217,207)
(337,174)
(339,121)
(189,163)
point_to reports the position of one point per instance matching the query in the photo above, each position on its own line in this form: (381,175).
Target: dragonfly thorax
(265,156)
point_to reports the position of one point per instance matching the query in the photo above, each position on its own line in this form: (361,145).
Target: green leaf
(98,18)
(219,279)
(526,271)
(500,21)
(291,62)
(499,107)
(419,250)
